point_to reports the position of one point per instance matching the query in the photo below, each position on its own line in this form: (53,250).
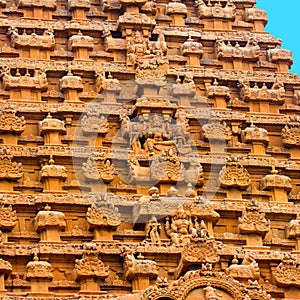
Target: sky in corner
(284,23)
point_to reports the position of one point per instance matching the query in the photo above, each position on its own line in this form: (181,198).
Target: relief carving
(255,134)
(248,269)
(81,41)
(103,213)
(71,81)
(152,231)
(73,4)
(249,52)
(278,54)
(255,14)
(109,83)
(8,217)
(8,169)
(36,81)
(217,90)
(38,269)
(291,135)
(253,220)
(287,272)
(93,122)
(263,93)
(99,166)
(45,41)
(234,175)
(9,122)
(90,266)
(209,11)
(50,4)
(216,131)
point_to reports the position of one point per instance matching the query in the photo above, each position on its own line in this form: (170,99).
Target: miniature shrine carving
(149,150)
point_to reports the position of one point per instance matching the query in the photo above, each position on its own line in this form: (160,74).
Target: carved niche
(8,169)
(9,122)
(250,51)
(99,166)
(45,41)
(253,220)
(234,175)
(287,272)
(248,269)
(216,11)
(93,122)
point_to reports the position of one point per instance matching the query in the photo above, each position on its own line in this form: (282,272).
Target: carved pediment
(291,135)
(255,14)
(255,134)
(274,180)
(71,82)
(73,4)
(217,90)
(280,55)
(216,131)
(50,4)
(175,7)
(81,41)
(93,122)
(38,269)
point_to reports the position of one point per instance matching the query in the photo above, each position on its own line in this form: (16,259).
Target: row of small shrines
(187,233)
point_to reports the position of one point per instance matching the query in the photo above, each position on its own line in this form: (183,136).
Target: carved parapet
(8,218)
(226,51)
(253,220)
(275,181)
(287,272)
(9,122)
(93,122)
(234,175)
(45,41)
(254,134)
(37,81)
(291,136)
(8,169)
(38,270)
(99,166)
(216,11)
(50,4)
(90,266)
(280,55)
(255,14)
(73,4)
(249,268)
(48,223)
(255,93)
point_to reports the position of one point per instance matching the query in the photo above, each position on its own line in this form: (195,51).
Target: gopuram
(149,150)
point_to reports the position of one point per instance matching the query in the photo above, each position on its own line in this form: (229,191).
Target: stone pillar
(70,85)
(178,12)
(51,129)
(5,270)
(49,224)
(40,275)
(81,45)
(280,185)
(53,177)
(193,51)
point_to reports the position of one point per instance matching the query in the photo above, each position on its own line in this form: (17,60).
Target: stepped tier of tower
(148,150)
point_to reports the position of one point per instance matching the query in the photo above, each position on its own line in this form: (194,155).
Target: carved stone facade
(149,150)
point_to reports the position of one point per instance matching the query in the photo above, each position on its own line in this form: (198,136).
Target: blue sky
(284,23)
